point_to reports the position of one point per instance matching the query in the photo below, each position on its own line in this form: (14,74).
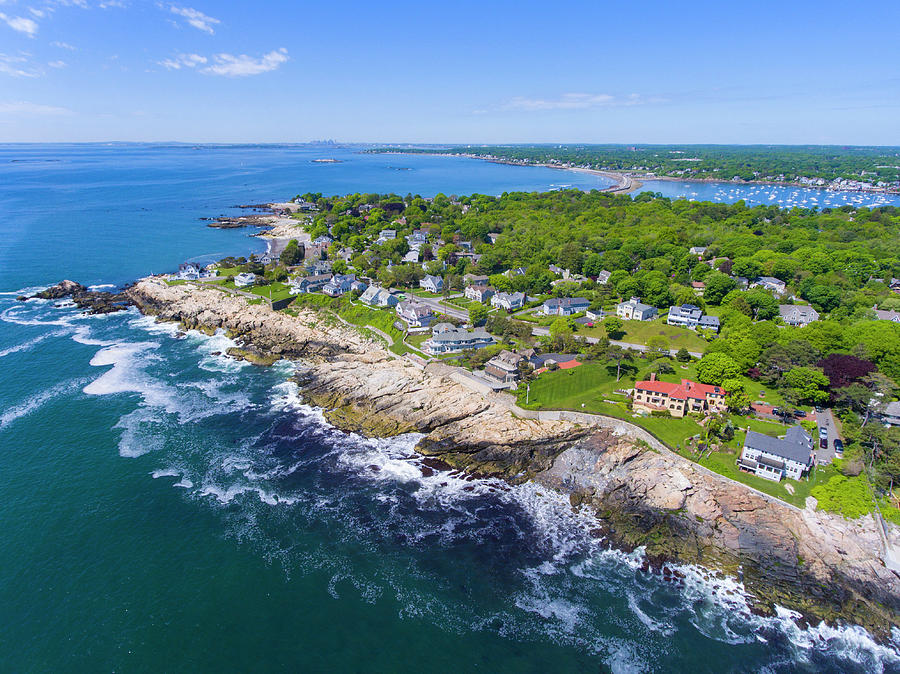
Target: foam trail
(27,346)
(38,400)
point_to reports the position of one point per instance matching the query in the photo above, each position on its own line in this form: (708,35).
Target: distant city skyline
(403,72)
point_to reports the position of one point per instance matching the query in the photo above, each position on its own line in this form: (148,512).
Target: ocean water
(165,508)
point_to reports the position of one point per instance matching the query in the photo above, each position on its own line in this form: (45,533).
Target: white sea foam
(37,400)
(165,472)
(184,483)
(226,495)
(101,286)
(30,344)
(140,433)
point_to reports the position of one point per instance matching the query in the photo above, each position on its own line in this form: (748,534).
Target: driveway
(825,419)
(435,304)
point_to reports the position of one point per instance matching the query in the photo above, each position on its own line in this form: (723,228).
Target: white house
(244,279)
(508,301)
(798,315)
(433,284)
(339,284)
(699,251)
(603,277)
(378,297)
(565,306)
(887,315)
(690,316)
(774,458)
(446,338)
(479,293)
(415,314)
(386,235)
(771,284)
(504,368)
(635,310)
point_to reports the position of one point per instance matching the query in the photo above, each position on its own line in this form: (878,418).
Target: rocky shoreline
(816,563)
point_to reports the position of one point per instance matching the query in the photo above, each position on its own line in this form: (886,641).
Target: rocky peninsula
(817,563)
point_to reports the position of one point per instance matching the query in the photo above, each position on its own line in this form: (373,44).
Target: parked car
(838,447)
(823,432)
(823,443)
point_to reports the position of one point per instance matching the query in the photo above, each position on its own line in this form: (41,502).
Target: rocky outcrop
(809,560)
(814,562)
(93,302)
(364,388)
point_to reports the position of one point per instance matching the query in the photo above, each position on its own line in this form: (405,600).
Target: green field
(638,332)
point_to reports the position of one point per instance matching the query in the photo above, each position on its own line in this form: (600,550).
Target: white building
(244,279)
(774,458)
(798,315)
(635,310)
(508,301)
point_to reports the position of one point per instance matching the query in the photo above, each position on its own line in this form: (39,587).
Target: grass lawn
(360,315)
(274,291)
(725,464)
(590,388)
(638,332)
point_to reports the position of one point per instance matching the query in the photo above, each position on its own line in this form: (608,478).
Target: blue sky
(463,72)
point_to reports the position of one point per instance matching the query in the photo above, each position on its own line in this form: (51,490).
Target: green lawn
(274,291)
(725,463)
(589,388)
(358,314)
(638,332)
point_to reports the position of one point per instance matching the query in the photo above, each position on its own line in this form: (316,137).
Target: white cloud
(64,45)
(184,61)
(27,108)
(17,66)
(576,101)
(39,13)
(57,64)
(20,24)
(242,65)
(196,18)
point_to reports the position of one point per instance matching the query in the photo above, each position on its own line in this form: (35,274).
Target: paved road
(825,419)
(435,304)
(545,332)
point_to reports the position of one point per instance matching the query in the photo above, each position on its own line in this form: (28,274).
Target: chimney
(652,376)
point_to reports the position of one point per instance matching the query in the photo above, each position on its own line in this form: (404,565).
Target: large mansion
(677,399)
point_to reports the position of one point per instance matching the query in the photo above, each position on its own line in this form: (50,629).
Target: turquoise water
(167,509)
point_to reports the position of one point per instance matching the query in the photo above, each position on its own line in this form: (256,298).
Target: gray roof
(787,448)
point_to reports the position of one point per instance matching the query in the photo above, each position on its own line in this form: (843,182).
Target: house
(603,277)
(797,315)
(559,271)
(775,458)
(690,316)
(479,293)
(699,251)
(677,399)
(412,257)
(634,310)
(322,241)
(310,284)
(319,267)
(476,279)
(445,338)
(545,359)
(378,297)
(189,271)
(415,314)
(244,279)
(339,284)
(565,306)
(742,282)
(771,284)
(596,314)
(508,301)
(886,315)
(358,286)
(418,236)
(386,235)
(504,368)
(891,415)
(433,284)
(492,237)
(699,287)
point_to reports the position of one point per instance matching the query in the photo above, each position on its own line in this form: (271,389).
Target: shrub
(848,496)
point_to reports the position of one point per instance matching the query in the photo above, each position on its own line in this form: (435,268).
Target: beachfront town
(589,341)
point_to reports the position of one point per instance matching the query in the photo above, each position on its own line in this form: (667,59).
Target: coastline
(623,177)
(813,562)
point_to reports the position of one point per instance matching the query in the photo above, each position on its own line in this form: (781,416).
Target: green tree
(613,326)
(478,314)
(683,355)
(737,398)
(714,368)
(808,383)
(616,354)
(292,253)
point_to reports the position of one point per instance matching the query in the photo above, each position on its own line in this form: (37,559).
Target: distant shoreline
(637,180)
